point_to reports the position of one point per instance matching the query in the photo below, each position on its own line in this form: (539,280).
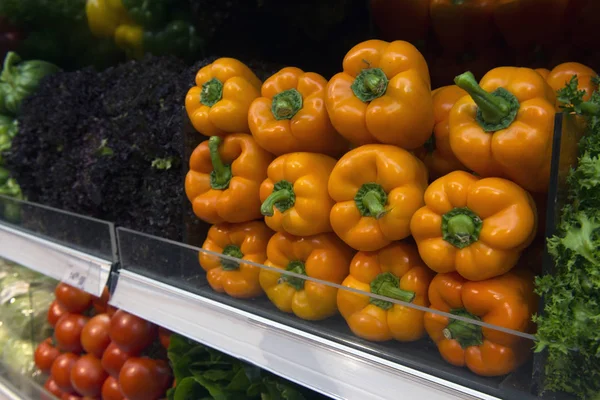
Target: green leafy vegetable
(204,373)
(569,327)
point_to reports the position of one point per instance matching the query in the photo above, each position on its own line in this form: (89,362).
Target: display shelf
(62,263)
(323,365)
(14,386)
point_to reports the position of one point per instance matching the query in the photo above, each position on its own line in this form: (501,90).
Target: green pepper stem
(212,92)
(286,104)
(465,333)
(394,292)
(493,108)
(221,174)
(372,202)
(267,207)
(461,227)
(296,267)
(370,84)
(282,198)
(231,250)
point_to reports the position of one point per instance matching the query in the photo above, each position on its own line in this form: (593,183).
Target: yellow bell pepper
(477,227)
(294,195)
(245,241)
(219,102)
(130,38)
(105,16)
(377,188)
(382,96)
(291,115)
(396,271)
(323,257)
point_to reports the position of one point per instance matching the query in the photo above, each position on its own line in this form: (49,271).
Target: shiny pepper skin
(294,196)
(562,74)
(477,227)
(377,188)
(382,95)
(219,102)
(324,257)
(246,241)
(223,183)
(396,271)
(507,301)
(437,153)
(105,16)
(504,127)
(290,115)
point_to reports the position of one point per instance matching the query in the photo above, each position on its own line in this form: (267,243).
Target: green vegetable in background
(148,13)
(8,126)
(203,373)
(569,327)
(19,79)
(178,38)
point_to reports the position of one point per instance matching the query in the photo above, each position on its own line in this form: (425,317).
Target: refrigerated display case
(103,184)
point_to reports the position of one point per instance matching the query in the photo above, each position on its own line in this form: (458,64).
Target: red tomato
(111,389)
(101,303)
(113,359)
(165,337)
(144,378)
(70,396)
(61,371)
(45,354)
(52,387)
(72,299)
(68,332)
(110,310)
(94,336)
(131,333)
(87,376)
(55,312)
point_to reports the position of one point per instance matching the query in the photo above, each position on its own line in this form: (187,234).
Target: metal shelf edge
(323,365)
(54,260)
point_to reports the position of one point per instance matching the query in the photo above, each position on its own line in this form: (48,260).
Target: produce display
(398,193)
(99,352)
(431,192)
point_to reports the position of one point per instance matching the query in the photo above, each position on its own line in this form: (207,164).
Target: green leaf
(570,97)
(189,389)
(239,382)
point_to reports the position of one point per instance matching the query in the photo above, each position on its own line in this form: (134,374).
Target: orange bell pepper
(323,257)
(437,154)
(246,241)
(562,74)
(294,195)
(223,183)
(406,19)
(397,272)
(525,24)
(506,301)
(506,133)
(544,72)
(383,95)
(219,102)
(291,115)
(377,188)
(462,25)
(478,227)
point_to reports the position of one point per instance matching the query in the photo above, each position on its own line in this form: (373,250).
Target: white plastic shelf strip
(325,366)
(71,266)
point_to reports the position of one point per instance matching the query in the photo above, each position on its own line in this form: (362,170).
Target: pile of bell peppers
(144,26)
(18,80)
(405,210)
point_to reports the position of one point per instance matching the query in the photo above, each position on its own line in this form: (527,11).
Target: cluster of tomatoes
(99,352)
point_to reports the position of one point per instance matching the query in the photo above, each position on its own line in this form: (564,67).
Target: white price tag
(76,276)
